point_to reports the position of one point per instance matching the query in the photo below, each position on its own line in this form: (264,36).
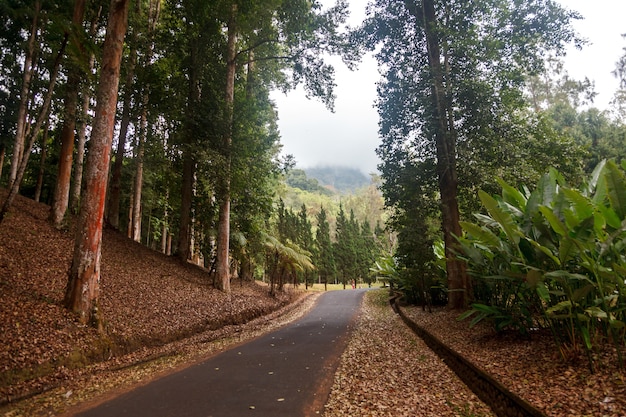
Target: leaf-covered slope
(146,299)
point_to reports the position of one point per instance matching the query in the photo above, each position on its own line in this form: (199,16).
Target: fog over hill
(344,180)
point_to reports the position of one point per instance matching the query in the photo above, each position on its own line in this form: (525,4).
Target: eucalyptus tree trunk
(153,16)
(189,161)
(164,225)
(83,285)
(42,161)
(82,129)
(3,150)
(62,189)
(135,215)
(18,147)
(115,190)
(445,138)
(34,133)
(223,231)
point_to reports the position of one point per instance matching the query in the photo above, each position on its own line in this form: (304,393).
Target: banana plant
(556,251)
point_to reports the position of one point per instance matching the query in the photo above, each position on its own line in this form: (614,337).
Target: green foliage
(553,257)
(297,178)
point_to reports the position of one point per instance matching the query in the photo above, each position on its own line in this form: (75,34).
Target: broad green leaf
(467,314)
(616,186)
(600,196)
(616,324)
(568,275)
(481,233)
(512,195)
(555,222)
(563,305)
(596,312)
(504,219)
(543,292)
(567,249)
(546,251)
(585,333)
(596,175)
(609,215)
(581,205)
(543,195)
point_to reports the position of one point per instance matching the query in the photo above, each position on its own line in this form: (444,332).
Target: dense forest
(502,189)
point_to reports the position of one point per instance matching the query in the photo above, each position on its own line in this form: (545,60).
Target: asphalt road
(288,372)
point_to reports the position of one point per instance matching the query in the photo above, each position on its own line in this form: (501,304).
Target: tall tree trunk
(164,225)
(445,138)
(223,228)
(184,233)
(42,162)
(3,150)
(83,285)
(18,147)
(153,15)
(189,161)
(116,176)
(61,197)
(82,129)
(135,223)
(43,114)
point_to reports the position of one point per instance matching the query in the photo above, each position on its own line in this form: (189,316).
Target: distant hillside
(297,178)
(342,179)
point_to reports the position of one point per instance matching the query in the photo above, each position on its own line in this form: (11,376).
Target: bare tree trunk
(116,176)
(189,161)
(184,234)
(82,130)
(135,218)
(3,150)
(42,162)
(164,233)
(131,209)
(20,135)
(61,197)
(83,285)
(223,229)
(43,114)
(445,137)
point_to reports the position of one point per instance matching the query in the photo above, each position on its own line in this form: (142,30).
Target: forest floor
(161,315)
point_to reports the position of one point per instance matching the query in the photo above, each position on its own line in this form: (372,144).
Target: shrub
(553,257)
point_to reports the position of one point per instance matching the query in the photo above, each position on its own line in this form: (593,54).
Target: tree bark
(223,230)
(189,161)
(115,192)
(82,130)
(445,138)
(3,151)
(42,162)
(164,226)
(18,147)
(61,197)
(83,285)
(43,114)
(184,233)
(137,187)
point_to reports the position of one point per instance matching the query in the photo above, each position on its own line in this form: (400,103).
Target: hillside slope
(147,300)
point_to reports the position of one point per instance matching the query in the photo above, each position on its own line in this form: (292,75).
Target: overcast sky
(348,137)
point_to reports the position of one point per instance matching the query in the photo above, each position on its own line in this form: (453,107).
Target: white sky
(348,137)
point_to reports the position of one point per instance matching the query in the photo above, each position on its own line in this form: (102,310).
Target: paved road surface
(288,372)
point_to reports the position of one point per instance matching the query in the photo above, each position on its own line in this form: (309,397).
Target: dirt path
(288,372)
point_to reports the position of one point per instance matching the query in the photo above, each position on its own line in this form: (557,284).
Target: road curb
(502,401)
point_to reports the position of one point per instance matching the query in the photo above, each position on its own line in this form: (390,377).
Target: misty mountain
(341,179)
(297,178)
